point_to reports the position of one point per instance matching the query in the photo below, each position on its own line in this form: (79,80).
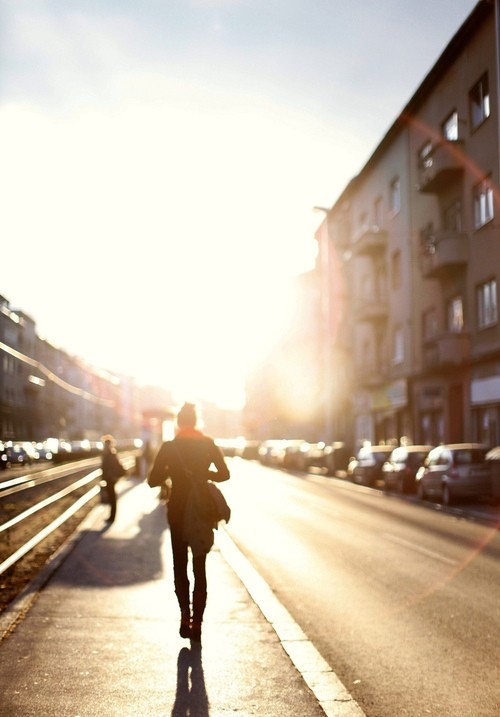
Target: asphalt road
(402,601)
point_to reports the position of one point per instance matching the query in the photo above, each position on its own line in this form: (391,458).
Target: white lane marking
(331,694)
(419,549)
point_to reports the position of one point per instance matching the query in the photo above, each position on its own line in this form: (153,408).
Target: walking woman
(190,460)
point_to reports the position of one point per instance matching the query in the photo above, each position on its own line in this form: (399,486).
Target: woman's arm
(221,472)
(159,472)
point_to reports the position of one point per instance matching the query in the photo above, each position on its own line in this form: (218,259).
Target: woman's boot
(185,628)
(183,599)
(199,602)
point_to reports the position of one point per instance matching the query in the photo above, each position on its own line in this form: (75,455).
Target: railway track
(39,510)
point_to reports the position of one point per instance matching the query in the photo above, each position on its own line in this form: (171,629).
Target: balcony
(447,350)
(442,166)
(372,307)
(370,240)
(444,253)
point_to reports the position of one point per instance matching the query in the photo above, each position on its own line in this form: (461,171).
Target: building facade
(417,237)
(47,393)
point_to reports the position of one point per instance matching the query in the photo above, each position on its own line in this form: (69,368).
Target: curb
(331,694)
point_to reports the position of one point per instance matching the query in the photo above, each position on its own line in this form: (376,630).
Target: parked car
(328,458)
(43,451)
(16,454)
(271,452)
(4,458)
(454,471)
(249,449)
(30,450)
(315,456)
(366,467)
(294,456)
(400,469)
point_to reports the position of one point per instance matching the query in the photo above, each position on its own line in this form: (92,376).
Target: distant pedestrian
(112,470)
(147,458)
(186,460)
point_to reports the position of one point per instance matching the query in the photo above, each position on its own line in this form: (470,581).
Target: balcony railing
(447,350)
(444,253)
(370,240)
(443,165)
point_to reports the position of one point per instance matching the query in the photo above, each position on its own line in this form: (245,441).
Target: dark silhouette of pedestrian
(189,461)
(147,457)
(112,470)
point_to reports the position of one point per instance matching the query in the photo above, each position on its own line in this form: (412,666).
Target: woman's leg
(199,595)
(111,491)
(181,579)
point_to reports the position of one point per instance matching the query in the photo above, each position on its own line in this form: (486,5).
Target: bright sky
(160,162)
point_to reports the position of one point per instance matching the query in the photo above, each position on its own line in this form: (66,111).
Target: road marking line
(419,549)
(331,694)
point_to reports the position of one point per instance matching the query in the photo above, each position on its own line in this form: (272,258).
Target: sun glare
(185,246)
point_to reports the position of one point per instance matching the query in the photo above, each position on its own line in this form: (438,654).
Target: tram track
(39,511)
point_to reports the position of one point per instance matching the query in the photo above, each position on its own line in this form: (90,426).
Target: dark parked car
(294,455)
(327,457)
(366,468)
(316,455)
(249,450)
(400,470)
(43,452)
(271,452)
(4,458)
(17,455)
(454,471)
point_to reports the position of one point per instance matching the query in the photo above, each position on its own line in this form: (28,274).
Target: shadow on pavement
(191,698)
(104,560)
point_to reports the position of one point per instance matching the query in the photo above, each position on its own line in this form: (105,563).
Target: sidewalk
(101,637)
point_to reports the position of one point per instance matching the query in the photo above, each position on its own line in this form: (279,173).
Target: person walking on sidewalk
(111,469)
(190,460)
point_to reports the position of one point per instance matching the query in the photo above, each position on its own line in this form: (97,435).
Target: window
(456,315)
(483,203)
(425,156)
(450,127)
(9,364)
(486,425)
(487,313)
(398,345)
(396,196)
(479,102)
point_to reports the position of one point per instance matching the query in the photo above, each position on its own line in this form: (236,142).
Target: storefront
(382,415)
(485,405)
